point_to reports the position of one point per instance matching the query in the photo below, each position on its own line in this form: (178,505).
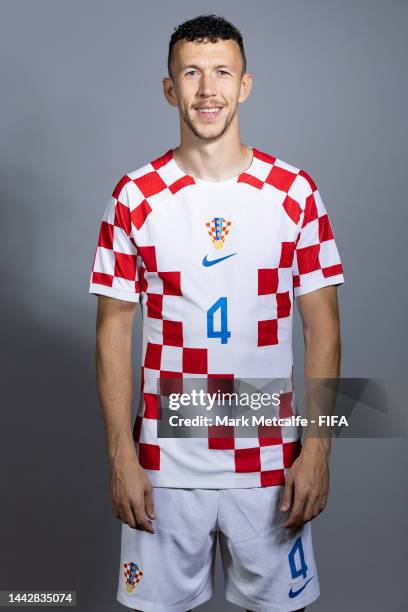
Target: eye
(190,72)
(223,72)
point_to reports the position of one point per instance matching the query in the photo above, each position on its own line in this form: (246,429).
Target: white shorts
(267,567)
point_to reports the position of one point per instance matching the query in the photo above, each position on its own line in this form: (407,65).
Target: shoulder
(294,181)
(142,181)
(294,186)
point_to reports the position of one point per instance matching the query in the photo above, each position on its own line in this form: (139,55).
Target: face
(207,85)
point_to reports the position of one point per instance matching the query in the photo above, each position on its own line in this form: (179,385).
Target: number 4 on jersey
(223,332)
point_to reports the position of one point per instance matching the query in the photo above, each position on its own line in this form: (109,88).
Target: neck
(213,161)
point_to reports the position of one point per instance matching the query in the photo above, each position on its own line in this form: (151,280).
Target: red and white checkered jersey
(216,267)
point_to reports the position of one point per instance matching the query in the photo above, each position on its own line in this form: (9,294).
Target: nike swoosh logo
(293,594)
(212,262)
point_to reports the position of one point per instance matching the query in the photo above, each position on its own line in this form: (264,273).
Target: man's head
(207,74)
(209,27)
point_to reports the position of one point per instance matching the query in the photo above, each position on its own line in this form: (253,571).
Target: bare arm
(307,483)
(130,489)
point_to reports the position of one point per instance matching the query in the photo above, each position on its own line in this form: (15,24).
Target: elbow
(324,332)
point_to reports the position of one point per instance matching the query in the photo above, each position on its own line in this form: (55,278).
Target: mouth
(208,113)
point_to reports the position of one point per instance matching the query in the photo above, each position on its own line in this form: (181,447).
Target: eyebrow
(184,66)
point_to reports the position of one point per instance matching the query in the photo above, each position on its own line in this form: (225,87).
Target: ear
(246,87)
(169,91)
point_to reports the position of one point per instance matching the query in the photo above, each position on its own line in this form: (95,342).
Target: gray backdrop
(82,105)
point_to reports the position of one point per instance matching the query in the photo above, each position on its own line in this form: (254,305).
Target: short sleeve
(115,270)
(316,261)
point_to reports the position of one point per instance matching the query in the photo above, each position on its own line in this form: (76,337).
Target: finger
(320,505)
(310,509)
(287,495)
(128,517)
(295,517)
(119,512)
(149,505)
(323,502)
(143,523)
(115,511)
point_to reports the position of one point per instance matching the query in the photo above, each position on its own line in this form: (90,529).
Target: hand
(132,494)
(307,484)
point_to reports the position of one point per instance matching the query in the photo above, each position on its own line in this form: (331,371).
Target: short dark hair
(212,27)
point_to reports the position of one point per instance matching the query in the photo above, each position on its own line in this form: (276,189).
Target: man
(215,239)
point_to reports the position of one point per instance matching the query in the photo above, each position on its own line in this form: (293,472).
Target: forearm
(322,352)
(322,360)
(115,388)
(307,482)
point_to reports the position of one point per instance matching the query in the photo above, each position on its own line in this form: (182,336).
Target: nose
(206,85)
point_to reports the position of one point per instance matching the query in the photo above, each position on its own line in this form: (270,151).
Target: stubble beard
(201,135)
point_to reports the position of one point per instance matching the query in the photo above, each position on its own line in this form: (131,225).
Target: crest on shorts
(218,229)
(132,574)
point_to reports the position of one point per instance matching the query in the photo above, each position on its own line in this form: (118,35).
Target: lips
(208,112)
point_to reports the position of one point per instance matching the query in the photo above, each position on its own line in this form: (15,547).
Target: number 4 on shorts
(297,554)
